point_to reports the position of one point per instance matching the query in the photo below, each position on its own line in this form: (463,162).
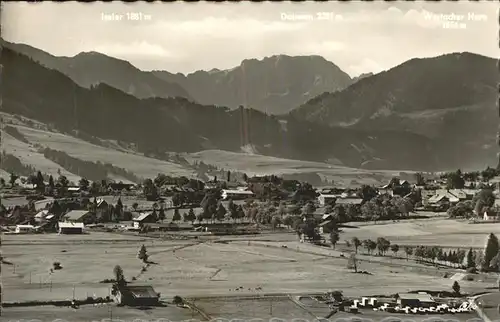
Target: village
(268,219)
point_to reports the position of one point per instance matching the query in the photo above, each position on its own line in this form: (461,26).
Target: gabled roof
(42,213)
(143,216)
(76,214)
(141,291)
(100,201)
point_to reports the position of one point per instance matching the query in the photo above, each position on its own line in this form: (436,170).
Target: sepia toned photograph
(250,161)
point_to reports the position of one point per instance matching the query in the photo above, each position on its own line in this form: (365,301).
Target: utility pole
(73,292)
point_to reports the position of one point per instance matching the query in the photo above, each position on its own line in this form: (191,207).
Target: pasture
(138,164)
(433,232)
(254,164)
(188,268)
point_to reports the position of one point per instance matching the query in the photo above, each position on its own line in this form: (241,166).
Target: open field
(98,313)
(193,269)
(442,232)
(253,164)
(139,165)
(490,303)
(30,156)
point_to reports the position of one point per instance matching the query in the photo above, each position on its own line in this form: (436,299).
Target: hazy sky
(185,37)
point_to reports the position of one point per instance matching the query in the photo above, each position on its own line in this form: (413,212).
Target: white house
(70,227)
(25,229)
(325,199)
(236,194)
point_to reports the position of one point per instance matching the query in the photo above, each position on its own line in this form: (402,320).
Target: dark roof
(141,291)
(76,214)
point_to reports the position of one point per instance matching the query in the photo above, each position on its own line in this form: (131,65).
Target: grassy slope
(148,167)
(29,156)
(265,165)
(140,165)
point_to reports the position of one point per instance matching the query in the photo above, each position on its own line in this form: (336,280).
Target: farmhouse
(82,216)
(443,197)
(146,217)
(25,229)
(137,295)
(325,199)
(236,194)
(415,300)
(70,227)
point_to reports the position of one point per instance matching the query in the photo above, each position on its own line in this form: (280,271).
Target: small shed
(137,295)
(70,227)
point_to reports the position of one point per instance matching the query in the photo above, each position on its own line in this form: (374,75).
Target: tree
(395,249)
(488,174)
(382,245)
(408,251)
(150,190)
(13,179)
(221,212)
(191,215)
(356,243)
(119,277)
(135,205)
(367,192)
(63,181)
(370,245)
(491,250)
(419,177)
(334,237)
(143,254)
(275,222)
(177,216)
(40,183)
(83,184)
(485,198)
(455,180)
(161,214)
(469,260)
(288,221)
(456,288)
(352,263)
(308,209)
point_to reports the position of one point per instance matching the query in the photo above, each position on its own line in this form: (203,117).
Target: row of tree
(487,260)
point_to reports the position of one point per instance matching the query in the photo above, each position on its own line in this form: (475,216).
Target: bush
(56,265)
(178,300)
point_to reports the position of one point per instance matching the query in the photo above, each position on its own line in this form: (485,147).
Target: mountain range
(91,68)
(274,85)
(450,99)
(426,114)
